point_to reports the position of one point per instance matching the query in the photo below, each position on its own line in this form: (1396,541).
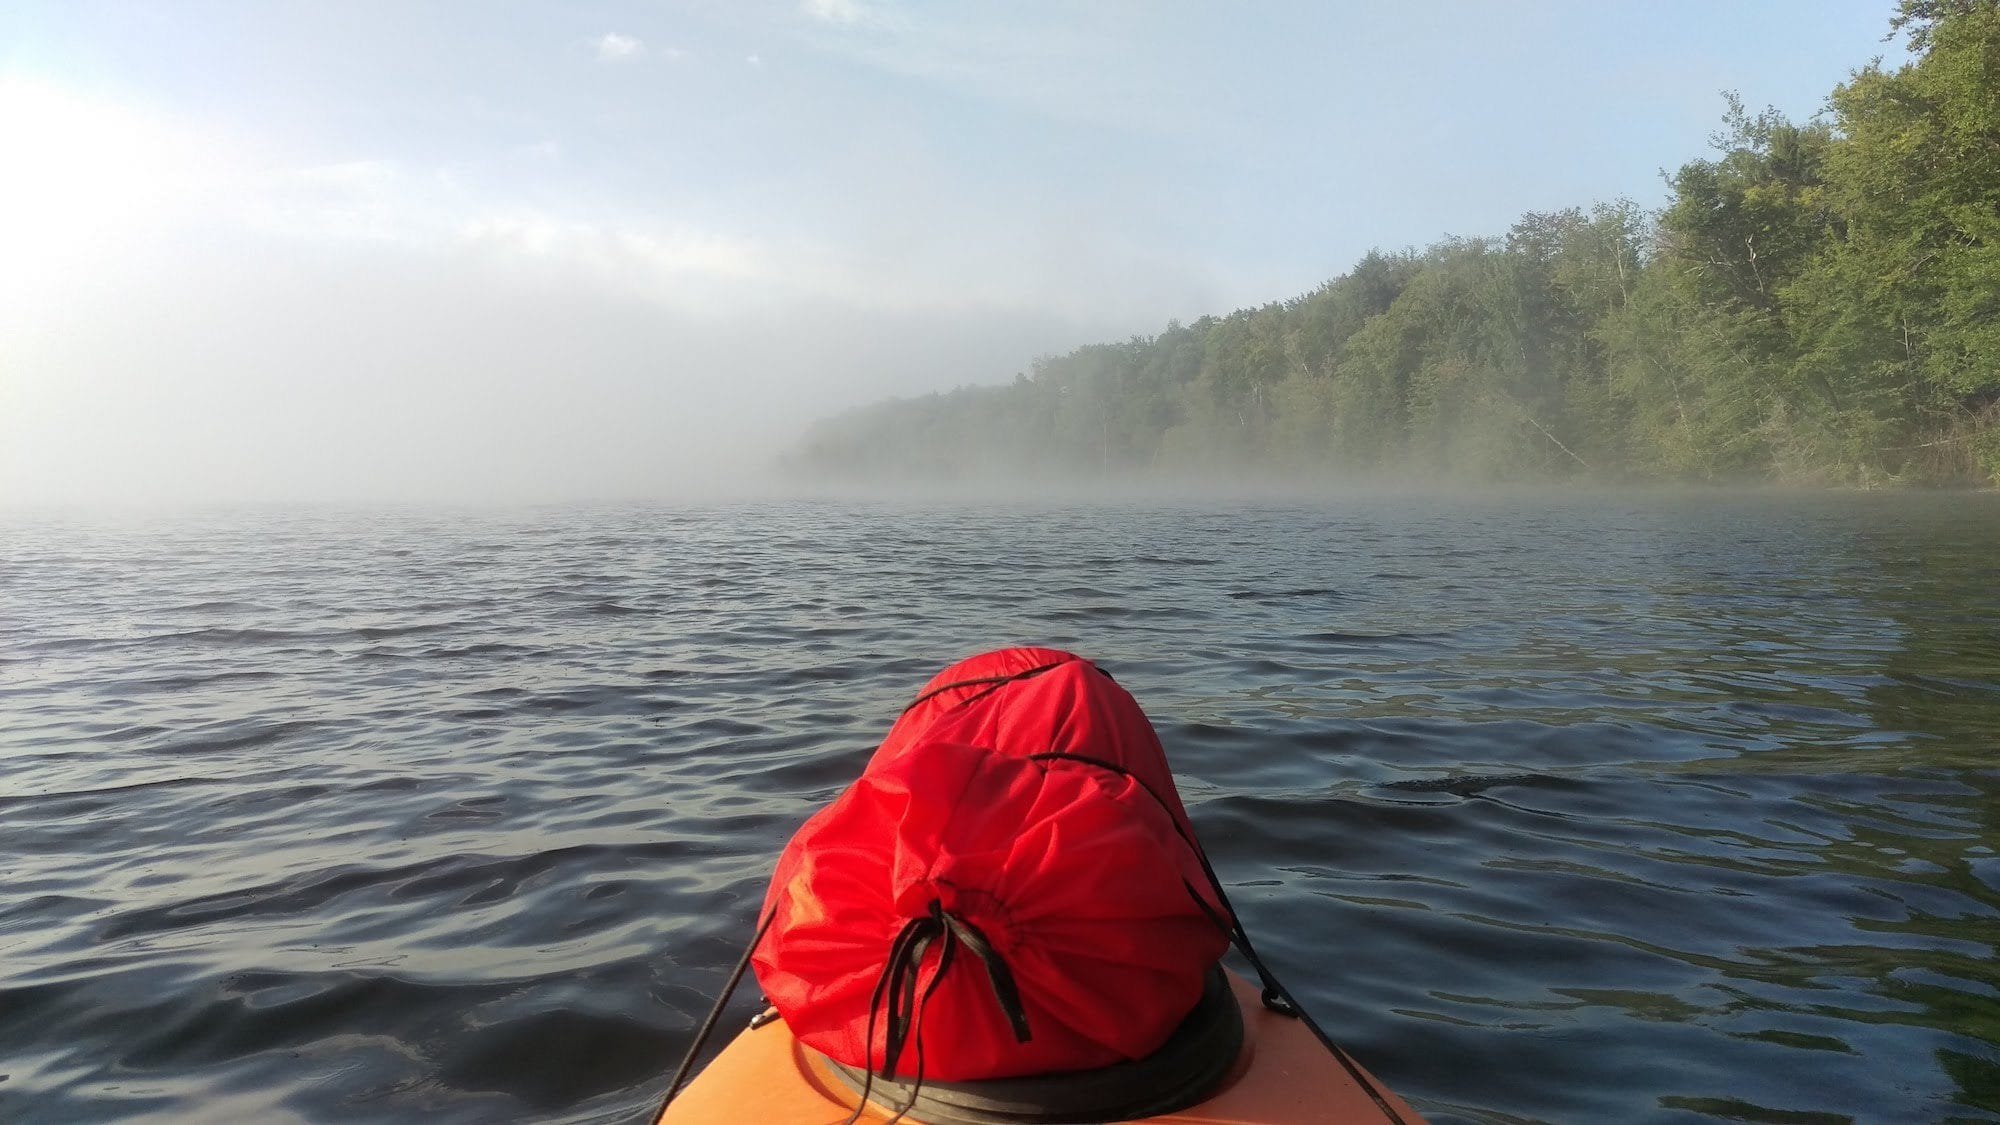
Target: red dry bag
(1010,888)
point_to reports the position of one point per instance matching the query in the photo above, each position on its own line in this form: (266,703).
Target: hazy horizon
(373,254)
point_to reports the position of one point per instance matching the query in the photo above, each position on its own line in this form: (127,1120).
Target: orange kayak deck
(1282,1074)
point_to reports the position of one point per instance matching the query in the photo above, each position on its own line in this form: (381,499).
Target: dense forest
(1818,302)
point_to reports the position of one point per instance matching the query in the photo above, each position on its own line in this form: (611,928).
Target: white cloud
(1079,68)
(614,47)
(676,266)
(354,200)
(754,60)
(834,11)
(101,182)
(437,213)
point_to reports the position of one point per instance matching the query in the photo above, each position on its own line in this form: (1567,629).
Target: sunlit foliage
(1817,302)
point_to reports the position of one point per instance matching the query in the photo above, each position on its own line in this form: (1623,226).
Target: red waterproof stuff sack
(1010,887)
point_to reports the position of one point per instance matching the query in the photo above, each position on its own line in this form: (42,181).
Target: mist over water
(469,489)
(1563,807)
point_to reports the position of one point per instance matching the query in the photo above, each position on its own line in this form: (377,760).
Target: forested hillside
(1818,302)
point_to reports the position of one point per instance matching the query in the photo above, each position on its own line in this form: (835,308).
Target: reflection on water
(1602,808)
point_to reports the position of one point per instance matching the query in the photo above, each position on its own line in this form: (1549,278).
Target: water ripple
(1564,809)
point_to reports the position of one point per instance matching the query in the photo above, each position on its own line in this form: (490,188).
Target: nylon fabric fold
(1001,915)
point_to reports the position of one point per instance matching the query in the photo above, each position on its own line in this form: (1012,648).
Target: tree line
(1817,302)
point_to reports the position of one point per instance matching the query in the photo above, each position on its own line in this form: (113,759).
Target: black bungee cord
(897,982)
(1276,996)
(957,932)
(895,994)
(898,986)
(707,1027)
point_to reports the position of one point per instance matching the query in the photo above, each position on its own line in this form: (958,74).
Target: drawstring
(886,984)
(1276,996)
(897,986)
(897,997)
(998,975)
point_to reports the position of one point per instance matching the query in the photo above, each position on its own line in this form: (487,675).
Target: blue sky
(510,251)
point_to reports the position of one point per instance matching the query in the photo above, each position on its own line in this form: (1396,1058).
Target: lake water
(1583,809)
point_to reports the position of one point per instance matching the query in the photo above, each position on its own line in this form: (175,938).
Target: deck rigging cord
(896,990)
(1276,996)
(707,1027)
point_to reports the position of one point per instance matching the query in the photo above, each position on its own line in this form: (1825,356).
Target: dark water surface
(1598,809)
